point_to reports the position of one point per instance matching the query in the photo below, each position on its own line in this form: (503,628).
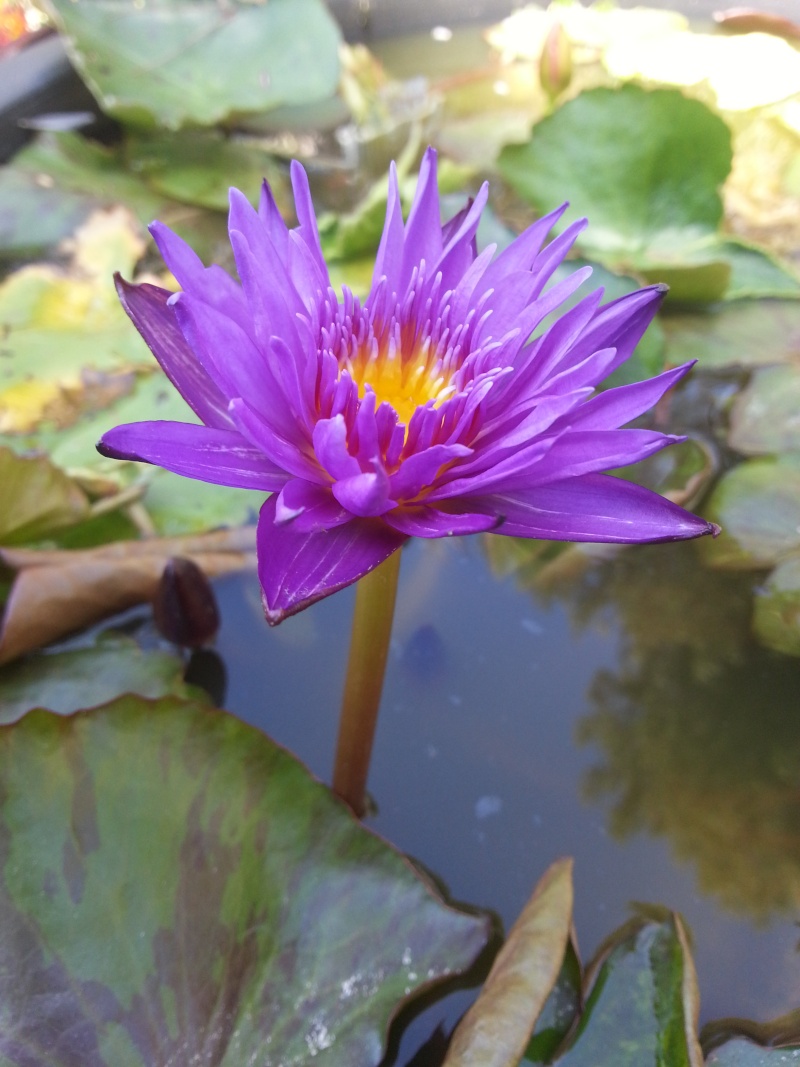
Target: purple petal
(223,457)
(589,452)
(277,230)
(616,407)
(292,456)
(389,259)
(296,569)
(521,253)
(309,507)
(422,468)
(366,495)
(423,233)
(307,218)
(330,447)
(596,507)
(621,324)
(423,521)
(147,307)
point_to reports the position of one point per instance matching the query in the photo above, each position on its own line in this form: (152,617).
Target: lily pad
(758,506)
(744,333)
(642,1007)
(174,63)
(766,415)
(212,904)
(740,1052)
(776,617)
(559,1013)
(36,498)
(66,682)
(35,216)
(645,167)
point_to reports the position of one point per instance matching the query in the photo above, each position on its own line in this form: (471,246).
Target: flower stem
(369,647)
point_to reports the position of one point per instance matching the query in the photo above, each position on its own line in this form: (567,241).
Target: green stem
(369,648)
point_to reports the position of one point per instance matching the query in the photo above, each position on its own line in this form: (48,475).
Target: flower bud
(555,62)
(185,609)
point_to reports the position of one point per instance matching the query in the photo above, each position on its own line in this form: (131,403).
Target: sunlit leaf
(36,498)
(776,615)
(497,1028)
(687,59)
(758,506)
(176,63)
(642,1008)
(178,889)
(57,593)
(645,167)
(68,345)
(766,415)
(66,682)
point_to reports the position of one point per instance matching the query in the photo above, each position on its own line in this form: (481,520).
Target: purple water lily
(424,411)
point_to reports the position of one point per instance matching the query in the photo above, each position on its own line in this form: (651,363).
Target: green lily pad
(173,63)
(776,616)
(766,415)
(36,498)
(755,273)
(641,1009)
(211,903)
(758,506)
(33,216)
(559,1012)
(745,333)
(179,505)
(200,166)
(645,167)
(740,1052)
(66,682)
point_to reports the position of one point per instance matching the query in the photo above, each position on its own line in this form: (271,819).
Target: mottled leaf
(497,1028)
(560,1010)
(177,889)
(642,1007)
(758,506)
(766,415)
(645,167)
(36,498)
(69,681)
(200,63)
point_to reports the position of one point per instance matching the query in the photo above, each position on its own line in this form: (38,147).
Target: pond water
(500,705)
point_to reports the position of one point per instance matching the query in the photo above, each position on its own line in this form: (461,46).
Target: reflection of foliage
(711,762)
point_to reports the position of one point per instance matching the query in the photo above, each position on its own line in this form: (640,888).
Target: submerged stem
(369,647)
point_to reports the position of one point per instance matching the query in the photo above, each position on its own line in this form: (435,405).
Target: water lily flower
(441,404)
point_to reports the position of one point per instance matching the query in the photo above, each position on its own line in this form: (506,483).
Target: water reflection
(697,726)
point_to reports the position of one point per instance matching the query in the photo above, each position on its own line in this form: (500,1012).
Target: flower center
(405,384)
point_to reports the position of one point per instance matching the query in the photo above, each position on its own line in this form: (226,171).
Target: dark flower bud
(185,609)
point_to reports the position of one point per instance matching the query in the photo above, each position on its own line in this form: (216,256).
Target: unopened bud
(185,609)
(555,62)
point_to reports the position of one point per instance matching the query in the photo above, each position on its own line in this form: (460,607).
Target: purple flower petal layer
(297,569)
(595,507)
(219,456)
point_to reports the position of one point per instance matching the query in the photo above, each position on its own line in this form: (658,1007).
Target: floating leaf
(740,1052)
(776,617)
(642,1008)
(758,506)
(200,166)
(174,64)
(560,1011)
(178,889)
(746,333)
(497,1028)
(57,593)
(36,498)
(755,273)
(66,682)
(33,215)
(645,167)
(766,415)
(68,345)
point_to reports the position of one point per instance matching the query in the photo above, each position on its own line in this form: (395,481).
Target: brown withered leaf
(496,1030)
(56,593)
